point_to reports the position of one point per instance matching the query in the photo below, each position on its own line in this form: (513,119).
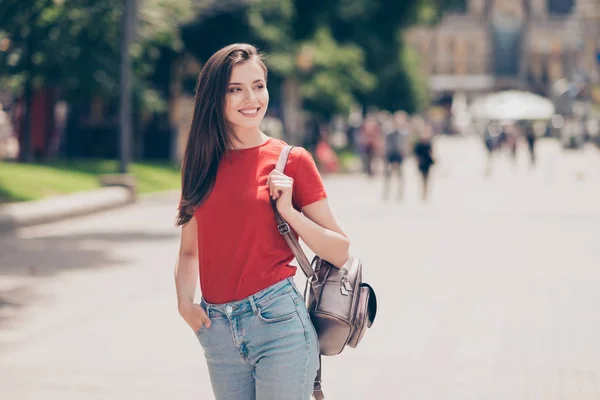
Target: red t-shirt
(240,249)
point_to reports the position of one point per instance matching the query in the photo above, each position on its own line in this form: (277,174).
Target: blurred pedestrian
(530,137)
(492,138)
(396,142)
(326,157)
(507,140)
(511,131)
(353,130)
(424,153)
(252,321)
(370,133)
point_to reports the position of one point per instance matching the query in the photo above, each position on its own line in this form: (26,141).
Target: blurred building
(506,44)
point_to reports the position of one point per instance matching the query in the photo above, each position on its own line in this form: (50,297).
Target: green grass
(23,182)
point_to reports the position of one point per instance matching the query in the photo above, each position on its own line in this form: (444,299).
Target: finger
(269,185)
(283,180)
(280,191)
(279,175)
(282,184)
(272,179)
(205,319)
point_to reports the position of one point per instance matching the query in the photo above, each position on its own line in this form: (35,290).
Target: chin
(248,124)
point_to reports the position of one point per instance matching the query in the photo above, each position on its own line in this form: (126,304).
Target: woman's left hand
(281,188)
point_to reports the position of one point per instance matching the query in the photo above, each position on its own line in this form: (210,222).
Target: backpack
(341,306)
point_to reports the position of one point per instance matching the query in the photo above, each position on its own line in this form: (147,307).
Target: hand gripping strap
(283,226)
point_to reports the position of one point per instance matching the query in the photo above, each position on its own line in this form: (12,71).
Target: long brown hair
(210,134)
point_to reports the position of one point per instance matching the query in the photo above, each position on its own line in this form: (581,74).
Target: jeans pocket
(199,331)
(279,309)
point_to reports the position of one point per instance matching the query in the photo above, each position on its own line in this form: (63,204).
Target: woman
(252,322)
(395,150)
(369,138)
(424,154)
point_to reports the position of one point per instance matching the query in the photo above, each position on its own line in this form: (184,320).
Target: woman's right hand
(195,316)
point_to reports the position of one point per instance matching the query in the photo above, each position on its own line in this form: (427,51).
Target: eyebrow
(237,83)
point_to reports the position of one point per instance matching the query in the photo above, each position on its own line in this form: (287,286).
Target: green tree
(376,26)
(336,75)
(74,45)
(331,73)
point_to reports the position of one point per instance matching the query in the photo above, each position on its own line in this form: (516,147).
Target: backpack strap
(292,241)
(284,227)
(317,391)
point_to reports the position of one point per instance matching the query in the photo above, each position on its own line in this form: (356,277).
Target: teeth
(249,111)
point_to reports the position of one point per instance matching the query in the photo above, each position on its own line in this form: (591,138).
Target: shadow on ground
(43,256)
(25,260)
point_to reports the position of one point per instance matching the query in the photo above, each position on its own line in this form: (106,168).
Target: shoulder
(297,155)
(301,163)
(300,158)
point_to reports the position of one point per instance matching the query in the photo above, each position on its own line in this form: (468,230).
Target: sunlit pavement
(489,290)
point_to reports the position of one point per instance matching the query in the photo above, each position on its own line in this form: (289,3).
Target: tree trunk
(25,148)
(125,123)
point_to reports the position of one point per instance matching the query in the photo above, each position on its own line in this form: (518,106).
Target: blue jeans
(262,347)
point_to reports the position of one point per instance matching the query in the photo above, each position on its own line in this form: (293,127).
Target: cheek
(230,106)
(264,97)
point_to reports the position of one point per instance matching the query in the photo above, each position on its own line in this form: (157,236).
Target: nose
(250,96)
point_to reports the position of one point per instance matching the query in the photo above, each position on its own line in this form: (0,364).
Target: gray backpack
(340,304)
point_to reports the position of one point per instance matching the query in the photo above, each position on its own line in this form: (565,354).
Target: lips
(249,112)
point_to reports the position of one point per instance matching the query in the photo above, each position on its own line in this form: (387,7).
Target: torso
(240,249)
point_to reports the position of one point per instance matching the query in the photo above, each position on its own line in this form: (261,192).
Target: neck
(249,137)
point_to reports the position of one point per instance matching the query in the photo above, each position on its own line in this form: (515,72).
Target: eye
(235,89)
(261,86)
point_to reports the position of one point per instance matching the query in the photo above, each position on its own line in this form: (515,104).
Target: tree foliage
(354,47)
(77,42)
(336,75)
(374,26)
(331,73)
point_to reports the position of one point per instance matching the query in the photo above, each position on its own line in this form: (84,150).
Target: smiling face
(247,97)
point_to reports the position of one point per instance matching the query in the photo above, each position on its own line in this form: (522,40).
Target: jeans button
(228,310)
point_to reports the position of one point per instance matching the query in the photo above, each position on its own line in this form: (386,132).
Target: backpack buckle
(284,228)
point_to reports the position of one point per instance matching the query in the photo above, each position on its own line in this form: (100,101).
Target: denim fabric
(263,347)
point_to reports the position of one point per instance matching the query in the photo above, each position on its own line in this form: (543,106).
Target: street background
(489,290)
(488,282)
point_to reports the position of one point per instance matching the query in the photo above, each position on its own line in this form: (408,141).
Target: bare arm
(315,224)
(186,268)
(319,229)
(186,277)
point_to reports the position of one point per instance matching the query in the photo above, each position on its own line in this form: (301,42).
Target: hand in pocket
(195,316)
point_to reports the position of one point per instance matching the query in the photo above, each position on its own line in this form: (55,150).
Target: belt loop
(253,305)
(205,306)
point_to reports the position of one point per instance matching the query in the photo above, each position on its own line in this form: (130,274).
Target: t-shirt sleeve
(308,185)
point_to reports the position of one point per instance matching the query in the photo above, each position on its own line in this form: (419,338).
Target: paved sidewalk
(18,215)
